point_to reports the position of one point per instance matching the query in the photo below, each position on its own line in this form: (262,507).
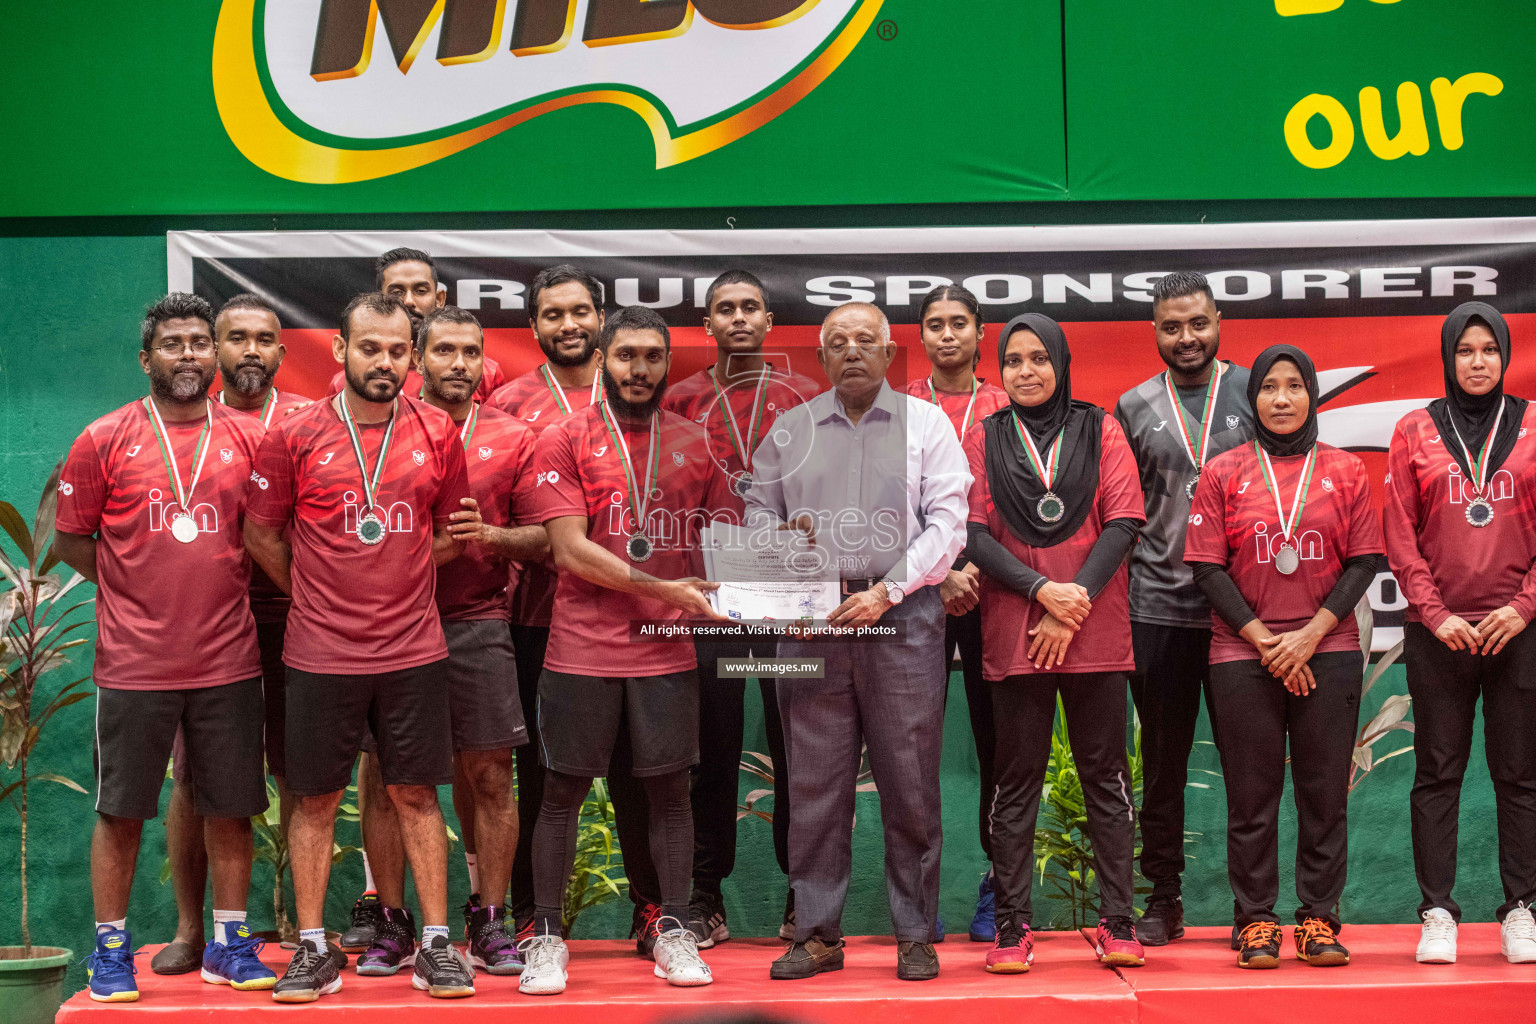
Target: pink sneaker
(1014,952)
(1116,943)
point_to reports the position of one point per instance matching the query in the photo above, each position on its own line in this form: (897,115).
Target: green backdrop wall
(77,288)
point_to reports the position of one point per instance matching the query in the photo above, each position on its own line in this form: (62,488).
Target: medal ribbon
(1287,526)
(168,454)
(965,424)
(636,506)
(1480,464)
(266,407)
(759,401)
(558,393)
(467,431)
(370,483)
(1186,435)
(1045,469)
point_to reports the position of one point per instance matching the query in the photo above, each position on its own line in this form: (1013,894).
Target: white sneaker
(677,957)
(545,957)
(1437,939)
(1517,936)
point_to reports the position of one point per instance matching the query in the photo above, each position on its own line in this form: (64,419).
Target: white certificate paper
(767,575)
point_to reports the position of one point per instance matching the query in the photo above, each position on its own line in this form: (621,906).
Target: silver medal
(1189,488)
(183,528)
(1050,508)
(1480,512)
(1287,560)
(369,529)
(638,548)
(741,483)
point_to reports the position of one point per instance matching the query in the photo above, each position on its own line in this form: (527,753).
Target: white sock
(121,924)
(367,876)
(226,923)
(315,935)
(474,872)
(429,931)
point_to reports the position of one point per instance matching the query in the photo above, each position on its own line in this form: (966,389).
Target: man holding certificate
(877,482)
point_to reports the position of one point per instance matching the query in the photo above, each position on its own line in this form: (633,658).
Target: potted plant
(34,637)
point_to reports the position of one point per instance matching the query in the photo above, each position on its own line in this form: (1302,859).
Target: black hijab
(1297,442)
(1016,490)
(1473,415)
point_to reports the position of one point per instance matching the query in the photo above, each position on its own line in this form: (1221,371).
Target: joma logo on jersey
(307,91)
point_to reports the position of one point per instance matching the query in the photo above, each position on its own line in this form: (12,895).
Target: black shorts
(407,710)
(580,717)
(483,702)
(136,729)
(274,674)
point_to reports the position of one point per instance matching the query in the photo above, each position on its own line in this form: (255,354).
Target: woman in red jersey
(1283,540)
(1461,539)
(1055,505)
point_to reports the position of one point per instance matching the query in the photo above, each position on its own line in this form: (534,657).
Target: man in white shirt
(878,482)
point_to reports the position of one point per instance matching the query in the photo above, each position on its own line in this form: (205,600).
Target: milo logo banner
(1365,299)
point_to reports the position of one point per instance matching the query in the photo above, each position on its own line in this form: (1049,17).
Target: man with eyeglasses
(877,482)
(149,508)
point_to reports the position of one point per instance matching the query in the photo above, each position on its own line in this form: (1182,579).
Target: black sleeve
(1223,594)
(1346,593)
(997,562)
(1107,555)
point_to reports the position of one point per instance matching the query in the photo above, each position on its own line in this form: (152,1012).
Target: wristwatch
(893,592)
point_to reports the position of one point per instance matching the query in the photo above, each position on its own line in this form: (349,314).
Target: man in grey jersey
(1176,422)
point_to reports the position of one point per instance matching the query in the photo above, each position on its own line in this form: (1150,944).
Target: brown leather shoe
(807,959)
(916,961)
(178,958)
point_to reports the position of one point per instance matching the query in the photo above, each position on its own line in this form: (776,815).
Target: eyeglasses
(841,347)
(174,349)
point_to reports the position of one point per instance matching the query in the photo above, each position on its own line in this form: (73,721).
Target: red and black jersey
(1445,565)
(578,472)
(360,609)
(531,400)
(989,399)
(1233,523)
(491,378)
(1103,644)
(695,398)
(162,606)
(496,453)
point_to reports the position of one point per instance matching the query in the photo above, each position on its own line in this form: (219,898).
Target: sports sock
(224,924)
(474,872)
(315,935)
(431,931)
(121,924)
(368,888)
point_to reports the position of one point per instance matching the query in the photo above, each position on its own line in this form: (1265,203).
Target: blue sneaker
(111,969)
(984,924)
(236,963)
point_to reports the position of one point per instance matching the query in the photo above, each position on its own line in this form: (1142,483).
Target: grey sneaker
(677,956)
(310,975)
(545,957)
(441,970)
(706,919)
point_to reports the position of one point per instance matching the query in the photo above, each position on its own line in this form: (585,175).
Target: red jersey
(497,449)
(268,604)
(531,400)
(161,605)
(491,378)
(1103,644)
(1233,523)
(1445,565)
(360,609)
(989,399)
(579,473)
(695,398)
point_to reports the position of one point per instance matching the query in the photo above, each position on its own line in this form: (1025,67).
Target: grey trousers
(889,694)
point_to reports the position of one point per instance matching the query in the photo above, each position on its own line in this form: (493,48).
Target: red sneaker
(1116,943)
(1014,952)
(646,926)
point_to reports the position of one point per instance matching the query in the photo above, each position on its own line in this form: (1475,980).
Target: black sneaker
(310,975)
(645,925)
(1163,922)
(442,972)
(1259,946)
(490,947)
(393,947)
(807,959)
(470,906)
(1316,944)
(706,919)
(367,912)
(916,961)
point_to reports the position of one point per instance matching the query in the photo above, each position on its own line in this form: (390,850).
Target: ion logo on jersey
(315,92)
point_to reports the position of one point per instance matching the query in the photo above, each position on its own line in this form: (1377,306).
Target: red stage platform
(1193,980)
